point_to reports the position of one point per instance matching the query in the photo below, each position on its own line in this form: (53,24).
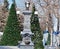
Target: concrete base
(50,47)
(26,47)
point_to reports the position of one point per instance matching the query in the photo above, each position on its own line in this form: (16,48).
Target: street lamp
(18,12)
(36,12)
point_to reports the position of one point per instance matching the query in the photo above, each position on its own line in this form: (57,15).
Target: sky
(19,3)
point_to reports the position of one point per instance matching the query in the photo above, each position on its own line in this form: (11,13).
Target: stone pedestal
(26,47)
(26,42)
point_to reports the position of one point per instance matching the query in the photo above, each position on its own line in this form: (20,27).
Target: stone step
(51,47)
(9,47)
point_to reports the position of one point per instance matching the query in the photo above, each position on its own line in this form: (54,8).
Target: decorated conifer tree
(11,34)
(35,28)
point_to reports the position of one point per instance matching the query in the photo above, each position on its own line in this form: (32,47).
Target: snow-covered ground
(9,47)
(1,33)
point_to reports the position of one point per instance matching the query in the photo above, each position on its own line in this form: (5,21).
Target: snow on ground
(1,33)
(9,47)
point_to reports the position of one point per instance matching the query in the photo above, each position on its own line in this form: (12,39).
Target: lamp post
(46,26)
(52,35)
(59,22)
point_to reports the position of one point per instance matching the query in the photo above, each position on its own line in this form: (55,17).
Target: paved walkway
(9,47)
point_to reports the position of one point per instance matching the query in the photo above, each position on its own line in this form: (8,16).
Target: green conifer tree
(35,28)
(11,34)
